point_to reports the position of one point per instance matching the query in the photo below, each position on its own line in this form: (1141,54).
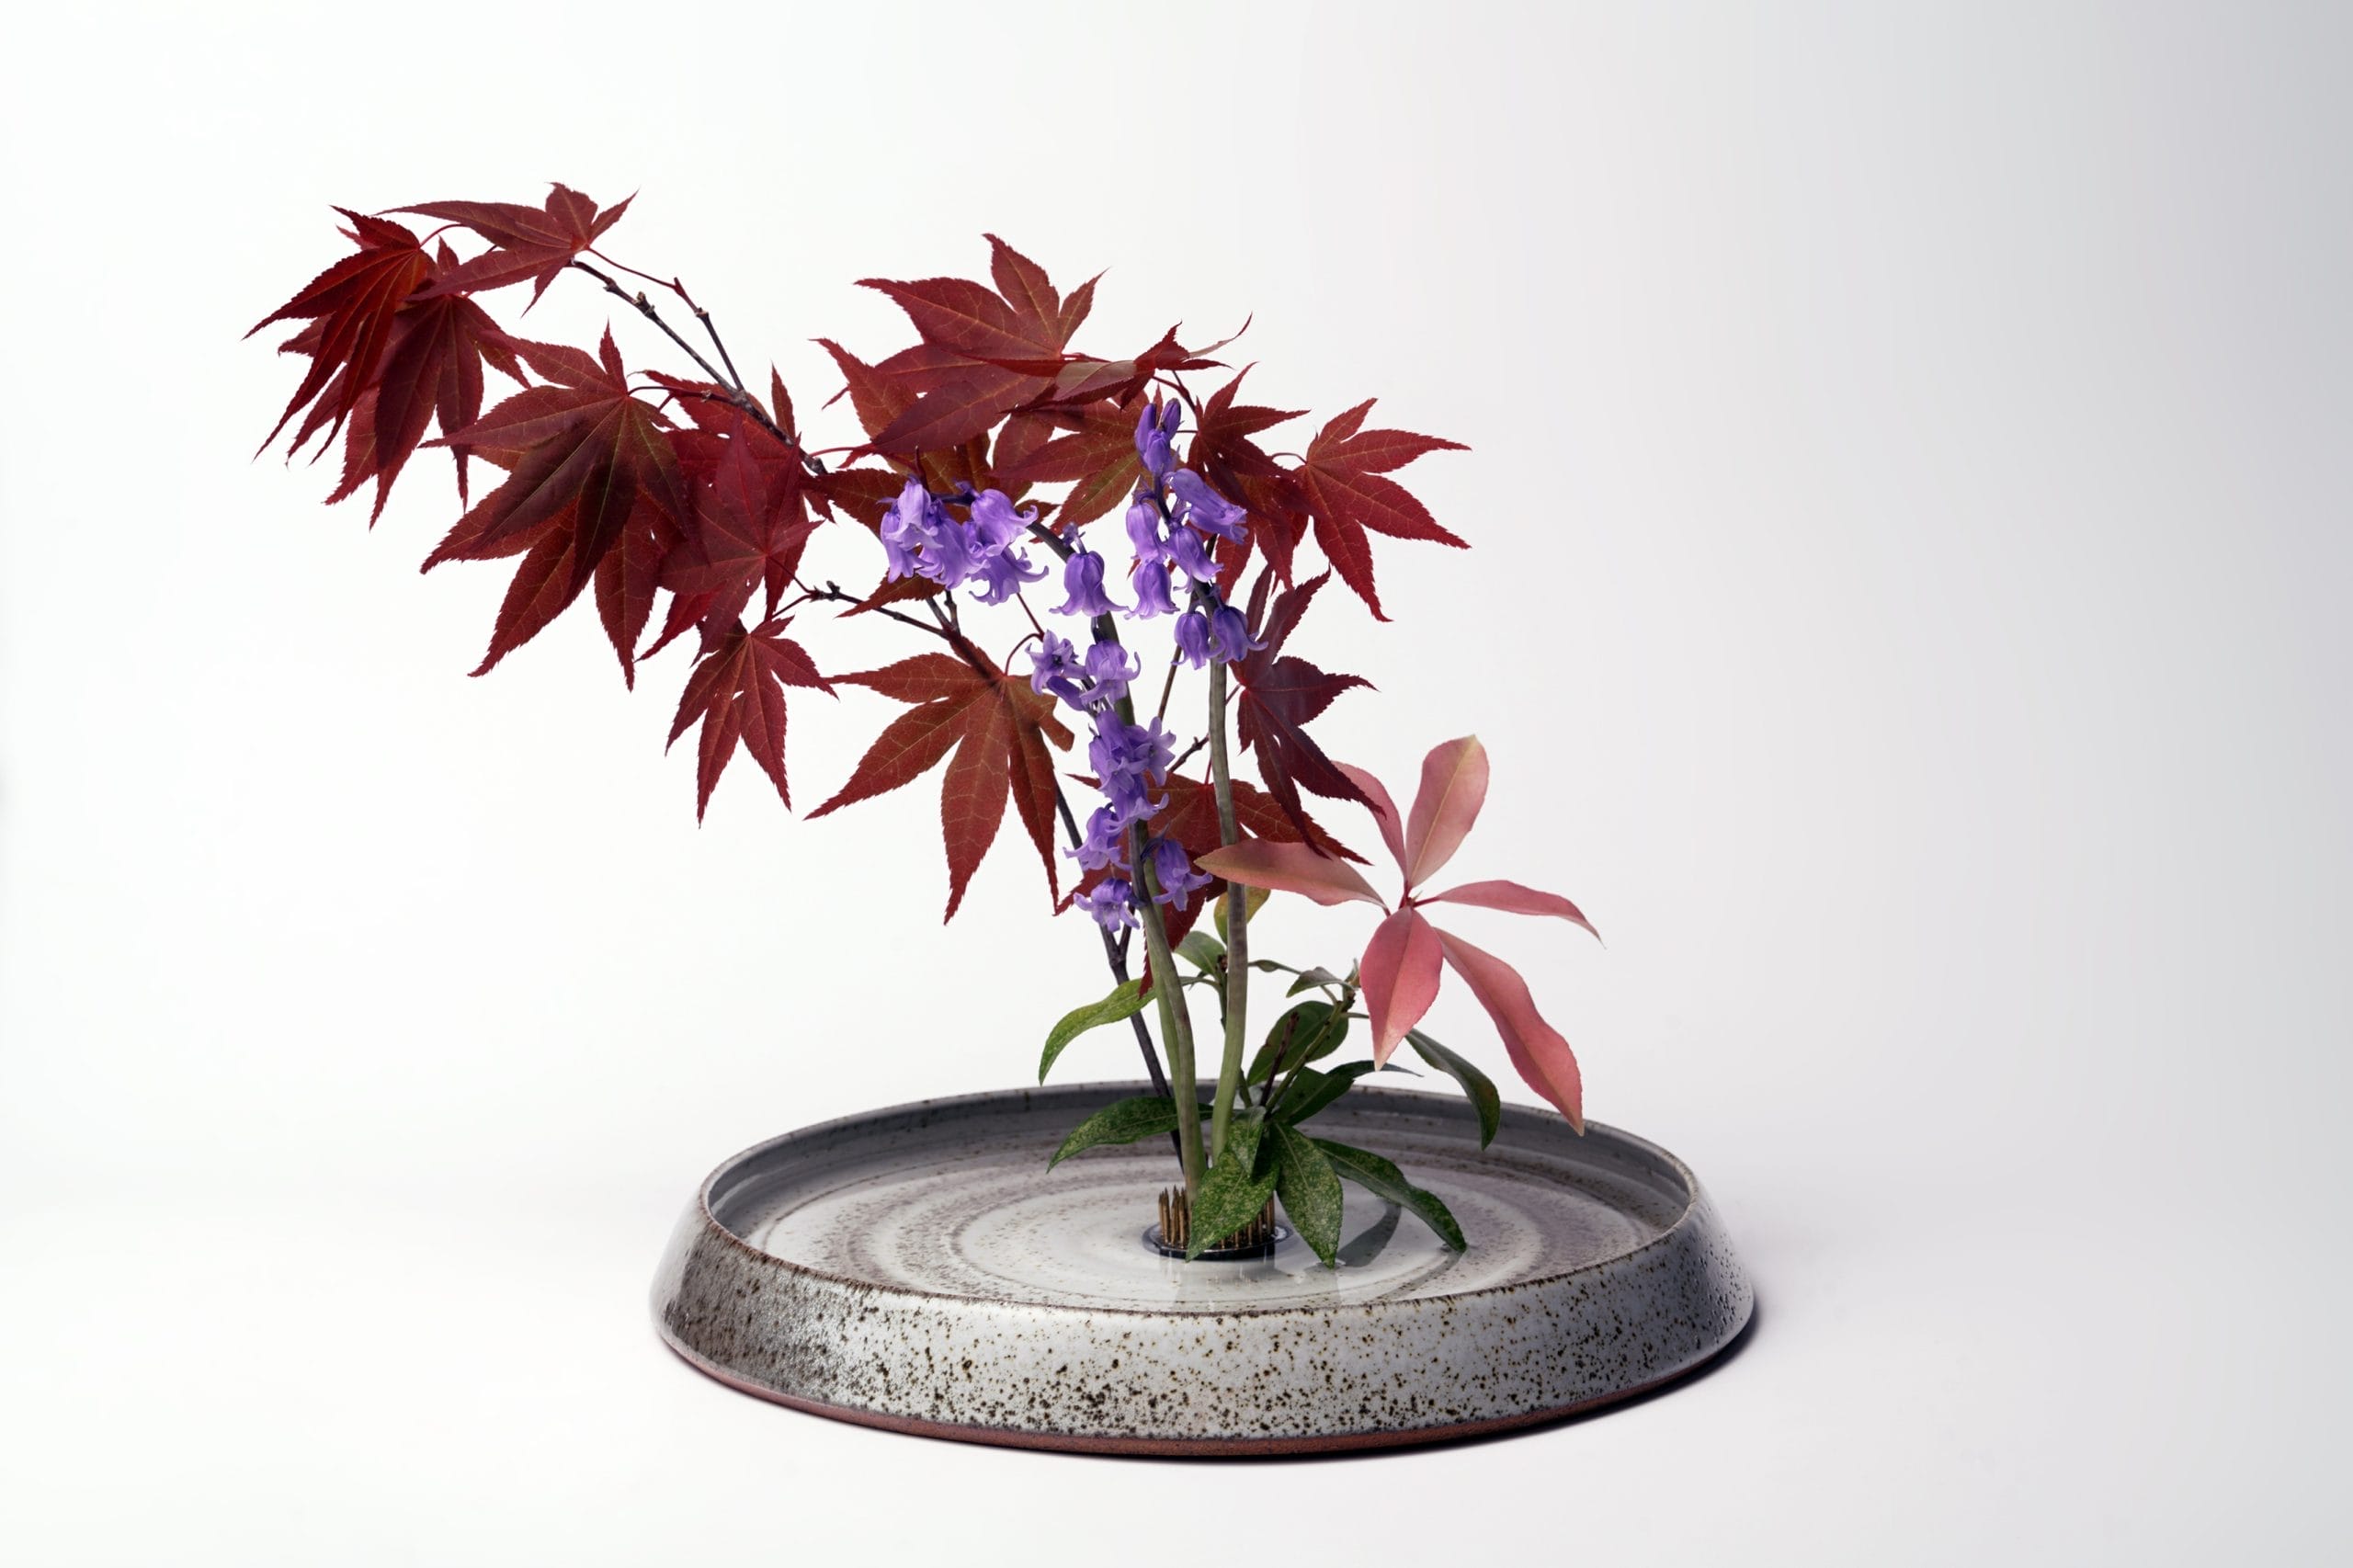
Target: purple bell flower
(1083,581)
(1055,667)
(1105,844)
(1205,507)
(1003,573)
(995,524)
(1111,668)
(1143,529)
(1152,438)
(909,525)
(1191,556)
(1178,881)
(1112,904)
(1231,631)
(1193,638)
(1152,591)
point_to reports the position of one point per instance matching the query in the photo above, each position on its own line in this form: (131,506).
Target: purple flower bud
(1152,591)
(1111,668)
(1232,629)
(1178,881)
(1205,507)
(1144,530)
(1112,904)
(1083,581)
(1193,638)
(1191,556)
(1151,440)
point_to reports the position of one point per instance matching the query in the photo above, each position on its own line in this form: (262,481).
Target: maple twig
(740,398)
(832,593)
(733,375)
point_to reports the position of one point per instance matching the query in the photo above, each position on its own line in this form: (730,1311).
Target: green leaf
(1385,1180)
(1309,978)
(1306,1033)
(1235,1188)
(1312,1091)
(1126,1000)
(1203,951)
(1121,1122)
(1475,1084)
(1253,901)
(1309,1189)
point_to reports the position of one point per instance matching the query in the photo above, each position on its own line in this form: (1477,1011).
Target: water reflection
(1368,1243)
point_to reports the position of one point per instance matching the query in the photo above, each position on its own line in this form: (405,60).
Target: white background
(1910,500)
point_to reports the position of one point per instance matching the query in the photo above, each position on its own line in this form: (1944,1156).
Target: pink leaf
(1536,1048)
(1454,786)
(1512,899)
(1384,810)
(1288,868)
(1398,975)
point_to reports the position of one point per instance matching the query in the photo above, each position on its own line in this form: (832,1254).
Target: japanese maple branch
(729,382)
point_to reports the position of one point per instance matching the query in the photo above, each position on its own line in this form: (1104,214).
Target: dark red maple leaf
(1224,453)
(750,519)
(1347,493)
(737,690)
(537,242)
(879,400)
(586,452)
(1098,456)
(1282,693)
(1189,817)
(431,370)
(351,307)
(999,730)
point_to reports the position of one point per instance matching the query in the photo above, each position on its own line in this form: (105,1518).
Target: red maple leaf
(1097,457)
(586,453)
(537,242)
(737,690)
(1341,479)
(1223,452)
(750,519)
(351,307)
(1282,693)
(999,730)
(432,369)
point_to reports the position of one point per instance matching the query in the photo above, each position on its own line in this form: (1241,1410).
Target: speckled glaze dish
(918,1269)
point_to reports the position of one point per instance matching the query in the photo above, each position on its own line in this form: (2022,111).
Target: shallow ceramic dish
(918,1269)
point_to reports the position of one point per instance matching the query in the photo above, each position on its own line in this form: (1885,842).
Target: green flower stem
(1237,928)
(1175,1026)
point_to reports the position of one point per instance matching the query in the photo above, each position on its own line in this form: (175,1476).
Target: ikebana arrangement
(1134,535)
